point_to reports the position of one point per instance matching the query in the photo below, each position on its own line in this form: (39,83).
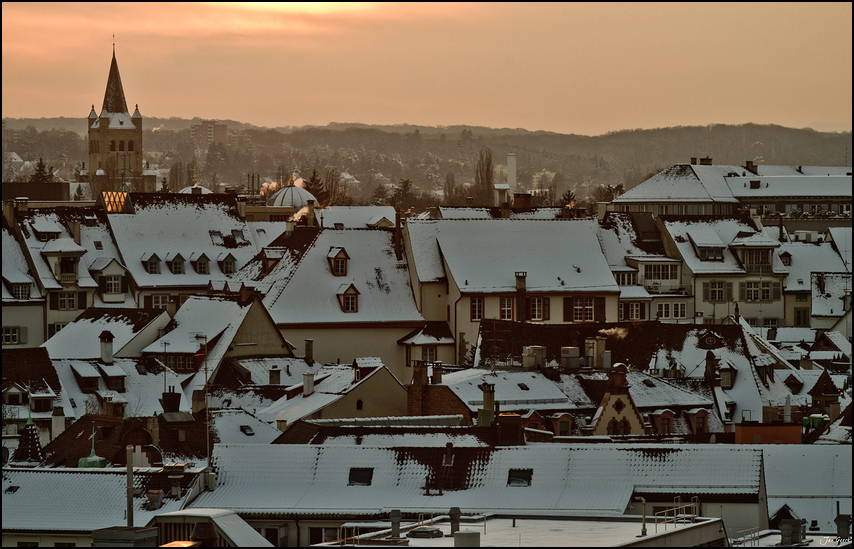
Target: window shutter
(54,301)
(81,300)
(528,316)
(729,291)
(705,291)
(22,334)
(742,291)
(622,315)
(546,308)
(124,284)
(147,302)
(643,311)
(102,284)
(775,291)
(567,309)
(599,309)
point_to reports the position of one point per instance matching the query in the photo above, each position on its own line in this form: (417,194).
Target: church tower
(115,141)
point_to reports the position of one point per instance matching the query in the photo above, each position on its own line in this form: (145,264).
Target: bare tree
(483,178)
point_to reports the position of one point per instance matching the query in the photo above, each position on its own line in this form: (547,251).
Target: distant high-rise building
(115,141)
(209,132)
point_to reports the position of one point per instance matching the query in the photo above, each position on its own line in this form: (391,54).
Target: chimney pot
(106,338)
(307,384)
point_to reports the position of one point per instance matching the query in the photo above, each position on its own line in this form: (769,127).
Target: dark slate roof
(114,97)
(29,368)
(29,451)
(75,442)
(633,343)
(824,386)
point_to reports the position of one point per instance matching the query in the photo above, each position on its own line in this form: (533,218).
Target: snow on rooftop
(684,183)
(514,390)
(807,258)
(828,293)
(235,426)
(841,237)
(715,233)
(790,186)
(483,256)
(81,338)
(587,479)
(15,269)
(311,293)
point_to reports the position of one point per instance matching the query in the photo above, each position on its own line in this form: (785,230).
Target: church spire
(114,97)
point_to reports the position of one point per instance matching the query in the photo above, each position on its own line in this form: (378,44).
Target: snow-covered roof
(181,223)
(618,239)
(724,183)
(142,390)
(230,427)
(332,382)
(291,369)
(840,341)
(307,292)
(50,221)
(807,258)
(80,338)
(41,500)
(195,189)
(715,233)
(15,269)
(828,293)
(514,390)
(684,183)
(230,526)
(810,479)
(350,217)
(483,256)
(466,212)
(790,186)
(117,121)
(584,479)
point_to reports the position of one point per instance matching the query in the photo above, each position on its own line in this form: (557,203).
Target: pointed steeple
(114,97)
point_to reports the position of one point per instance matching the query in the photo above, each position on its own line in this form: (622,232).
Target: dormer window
(227,264)
(152,266)
(338,258)
(216,238)
(202,266)
(21,291)
(348,298)
(711,254)
(176,264)
(786,258)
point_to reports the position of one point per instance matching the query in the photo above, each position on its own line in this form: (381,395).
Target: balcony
(68,278)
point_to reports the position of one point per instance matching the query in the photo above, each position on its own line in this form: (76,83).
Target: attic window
(177,266)
(99,245)
(12,489)
(519,477)
(202,266)
(618,406)
(786,259)
(361,476)
(339,225)
(523,387)
(247,430)
(649,383)
(216,238)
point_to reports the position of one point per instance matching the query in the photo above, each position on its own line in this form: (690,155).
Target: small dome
(290,196)
(195,189)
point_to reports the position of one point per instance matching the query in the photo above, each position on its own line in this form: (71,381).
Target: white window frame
(588,309)
(717,291)
(634,311)
(663,310)
(21,291)
(159,301)
(178,266)
(752,291)
(228,266)
(476,309)
(351,303)
(506,308)
(153,266)
(536,308)
(428,353)
(67,301)
(113,284)
(680,310)
(203,267)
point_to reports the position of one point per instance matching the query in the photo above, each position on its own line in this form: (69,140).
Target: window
(634,311)
(717,291)
(359,404)
(802,317)
(99,245)
(11,335)
(711,254)
(113,284)
(752,291)
(786,259)
(476,306)
(613,427)
(519,477)
(680,310)
(21,291)
(53,328)
(563,428)
(770,322)
(130,146)
(67,301)
(625,428)
(428,353)
(177,266)
(760,291)
(627,279)
(113,145)
(663,310)
(340,266)
(202,267)
(159,301)
(802,297)
(121,146)
(660,272)
(700,424)
(152,266)
(756,261)
(506,308)
(583,310)
(351,304)
(665,423)
(537,308)
(228,266)
(588,308)
(360,476)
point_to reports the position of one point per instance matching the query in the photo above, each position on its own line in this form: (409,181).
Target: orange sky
(571,68)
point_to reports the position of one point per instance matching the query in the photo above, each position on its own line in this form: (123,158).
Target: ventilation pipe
(455,515)
(395,516)
(275,375)
(437,373)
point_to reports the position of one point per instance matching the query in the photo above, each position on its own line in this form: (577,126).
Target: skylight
(361,476)
(519,477)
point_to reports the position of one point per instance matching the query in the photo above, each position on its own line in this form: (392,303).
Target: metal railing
(746,538)
(678,514)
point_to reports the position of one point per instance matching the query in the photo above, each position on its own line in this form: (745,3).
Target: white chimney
(106,338)
(511,170)
(307,384)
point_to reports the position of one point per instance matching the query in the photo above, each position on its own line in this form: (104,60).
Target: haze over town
(571,68)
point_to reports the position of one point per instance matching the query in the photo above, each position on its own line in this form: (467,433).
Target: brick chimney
(311,222)
(106,338)
(416,389)
(309,352)
(437,373)
(486,414)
